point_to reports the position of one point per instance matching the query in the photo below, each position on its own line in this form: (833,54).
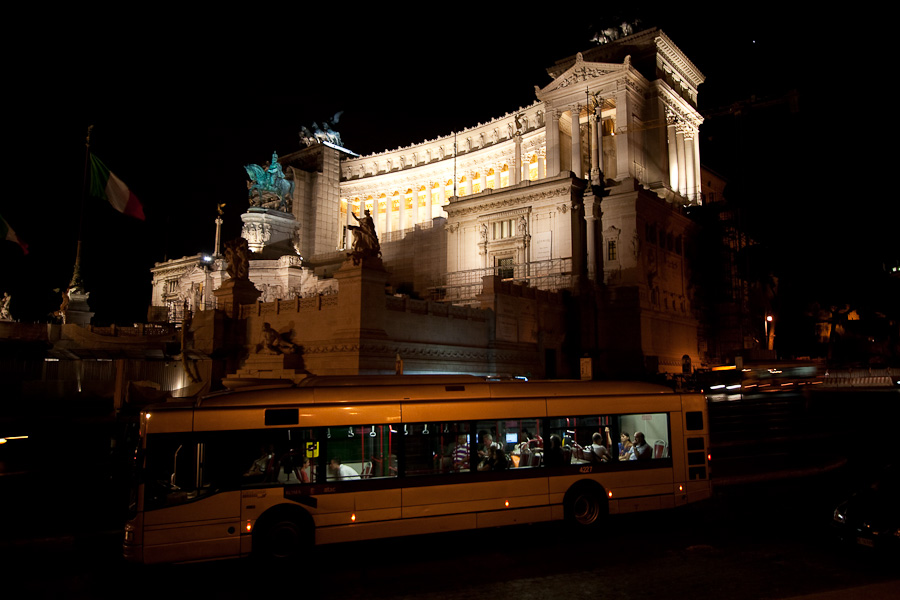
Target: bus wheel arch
(586,504)
(284,532)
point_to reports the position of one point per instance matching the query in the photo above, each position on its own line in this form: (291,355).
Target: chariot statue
(316,134)
(268,187)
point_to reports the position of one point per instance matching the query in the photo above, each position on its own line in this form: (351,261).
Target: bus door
(191,503)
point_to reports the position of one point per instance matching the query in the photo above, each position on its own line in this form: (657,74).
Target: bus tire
(586,505)
(283,534)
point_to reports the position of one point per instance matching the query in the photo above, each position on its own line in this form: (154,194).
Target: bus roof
(405,388)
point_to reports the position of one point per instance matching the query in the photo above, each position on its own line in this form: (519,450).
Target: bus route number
(586,469)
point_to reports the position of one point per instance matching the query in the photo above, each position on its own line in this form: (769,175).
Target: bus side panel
(207,528)
(434,500)
(340,509)
(501,518)
(368,531)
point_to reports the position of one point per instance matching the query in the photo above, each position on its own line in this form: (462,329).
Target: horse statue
(269,184)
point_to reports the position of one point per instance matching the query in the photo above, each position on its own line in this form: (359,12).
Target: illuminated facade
(581,192)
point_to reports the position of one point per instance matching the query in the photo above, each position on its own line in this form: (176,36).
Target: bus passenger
(264,464)
(484,453)
(499,461)
(341,472)
(625,446)
(597,451)
(461,453)
(641,449)
(553,454)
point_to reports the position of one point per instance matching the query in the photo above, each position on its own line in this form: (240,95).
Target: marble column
(552,142)
(672,144)
(679,151)
(576,141)
(515,175)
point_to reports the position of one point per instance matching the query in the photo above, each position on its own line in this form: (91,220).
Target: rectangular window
(360,452)
(508,444)
(611,250)
(505,268)
(435,448)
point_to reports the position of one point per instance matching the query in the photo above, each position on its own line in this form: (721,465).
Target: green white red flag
(8,234)
(106,185)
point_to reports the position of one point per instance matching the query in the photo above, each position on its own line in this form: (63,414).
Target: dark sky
(180,105)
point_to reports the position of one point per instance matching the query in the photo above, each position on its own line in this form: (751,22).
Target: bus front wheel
(586,506)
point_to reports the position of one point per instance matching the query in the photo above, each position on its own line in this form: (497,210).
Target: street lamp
(770,333)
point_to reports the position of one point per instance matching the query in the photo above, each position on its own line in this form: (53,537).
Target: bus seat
(659,449)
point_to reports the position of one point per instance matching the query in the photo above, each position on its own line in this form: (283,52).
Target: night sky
(180,104)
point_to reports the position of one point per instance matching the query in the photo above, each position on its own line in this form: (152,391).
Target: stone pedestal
(361,299)
(78,311)
(233,293)
(260,369)
(268,229)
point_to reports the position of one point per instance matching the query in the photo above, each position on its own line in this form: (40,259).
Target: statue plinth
(233,293)
(261,369)
(78,312)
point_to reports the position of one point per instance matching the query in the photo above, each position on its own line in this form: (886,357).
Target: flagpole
(76,283)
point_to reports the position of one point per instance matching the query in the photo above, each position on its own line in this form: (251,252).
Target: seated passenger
(341,472)
(641,450)
(625,446)
(461,454)
(264,464)
(553,454)
(597,452)
(499,461)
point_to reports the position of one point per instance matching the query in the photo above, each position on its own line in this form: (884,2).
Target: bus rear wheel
(586,506)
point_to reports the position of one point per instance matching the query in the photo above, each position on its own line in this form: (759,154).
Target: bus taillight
(249,526)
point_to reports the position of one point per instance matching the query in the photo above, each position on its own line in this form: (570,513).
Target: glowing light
(249,526)
(680,488)
(353,517)
(708,457)
(506,504)
(148,415)
(609,493)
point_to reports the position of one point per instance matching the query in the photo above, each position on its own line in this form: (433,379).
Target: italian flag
(9,235)
(109,187)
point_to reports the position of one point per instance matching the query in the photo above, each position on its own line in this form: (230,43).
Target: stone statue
(237,255)
(271,343)
(325,133)
(4,307)
(365,239)
(63,306)
(269,184)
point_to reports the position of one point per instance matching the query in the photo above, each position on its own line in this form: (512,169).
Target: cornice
(678,60)
(515,198)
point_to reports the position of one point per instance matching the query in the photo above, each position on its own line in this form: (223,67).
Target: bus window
(519,441)
(648,435)
(360,452)
(170,475)
(269,456)
(585,439)
(436,448)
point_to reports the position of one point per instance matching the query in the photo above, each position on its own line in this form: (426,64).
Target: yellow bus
(274,470)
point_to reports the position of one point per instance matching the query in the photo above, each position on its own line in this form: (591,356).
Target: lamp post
(770,332)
